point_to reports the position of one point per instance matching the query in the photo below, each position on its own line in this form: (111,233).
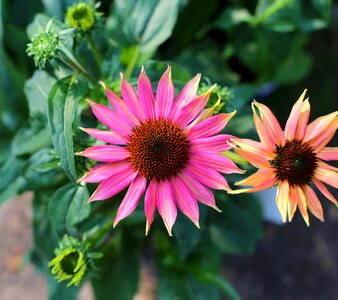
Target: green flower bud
(72,261)
(81,16)
(44,47)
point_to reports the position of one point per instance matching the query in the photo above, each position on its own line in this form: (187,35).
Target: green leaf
(36,90)
(119,270)
(147,23)
(9,174)
(238,228)
(62,103)
(186,234)
(68,207)
(30,140)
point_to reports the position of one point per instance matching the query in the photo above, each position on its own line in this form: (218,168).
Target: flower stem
(132,62)
(96,52)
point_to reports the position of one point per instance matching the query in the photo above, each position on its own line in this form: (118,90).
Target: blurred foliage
(250,48)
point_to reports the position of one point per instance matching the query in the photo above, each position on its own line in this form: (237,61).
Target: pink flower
(166,148)
(292,159)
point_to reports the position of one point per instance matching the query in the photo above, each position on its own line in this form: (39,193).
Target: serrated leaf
(63,100)
(68,207)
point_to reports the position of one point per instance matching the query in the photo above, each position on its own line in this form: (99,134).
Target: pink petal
(202,193)
(185,200)
(320,130)
(262,131)
(166,205)
(113,185)
(131,199)
(299,193)
(146,95)
(165,94)
(328,153)
(207,176)
(296,124)
(313,203)
(104,171)
(322,188)
(270,123)
(131,99)
(187,94)
(210,126)
(110,137)
(215,161)
(283,198)
(255,153)
(328,176)
(120,106)
(111,119)
(218,143)
(150,203)
(258,178)
(105,153)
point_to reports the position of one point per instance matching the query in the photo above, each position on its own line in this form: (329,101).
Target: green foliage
(63,100)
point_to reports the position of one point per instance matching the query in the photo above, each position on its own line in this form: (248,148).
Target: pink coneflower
(167,148)
(291,159)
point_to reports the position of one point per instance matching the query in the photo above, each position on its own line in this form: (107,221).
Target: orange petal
(302,204)
(258,178)
(313,202)
(322,188)
(282,198)
(292,204)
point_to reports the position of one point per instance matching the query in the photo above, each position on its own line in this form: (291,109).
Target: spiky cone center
(295,162)
(158,149)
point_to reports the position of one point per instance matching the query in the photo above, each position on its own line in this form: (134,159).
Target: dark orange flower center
(295,162)
(158,149)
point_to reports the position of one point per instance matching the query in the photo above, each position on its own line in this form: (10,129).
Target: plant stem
(96,52)
(132,62)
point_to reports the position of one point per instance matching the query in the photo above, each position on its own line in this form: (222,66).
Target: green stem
(132,62)
(96,52)
(97,236)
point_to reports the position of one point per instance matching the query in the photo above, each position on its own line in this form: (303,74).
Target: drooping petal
(210,126)
(146,95)
(113,185)
(189,112)
(165,95)
(185,200)
(131,199)
(258,178)
(166,205)
(255,153)
(322,188)
(104,171)
(215,161)
(120,106)
(187,94)
(313,202)
(202,193)
(282,198)
(301,199)
(292,204)
(328,153)
(328,176)
(131,99)
(218,143)
(109,118)
(207,176)
(150,203)
(270,123)
(110,137)
(105,153)
(296,124)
